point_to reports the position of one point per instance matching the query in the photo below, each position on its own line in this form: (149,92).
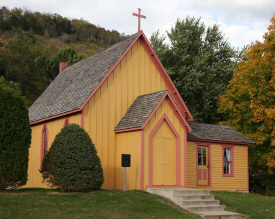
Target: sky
(241,21)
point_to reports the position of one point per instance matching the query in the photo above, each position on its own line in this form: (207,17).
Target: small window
(45,143)
(228,161)
(44,146)
(67,122)
(202,156)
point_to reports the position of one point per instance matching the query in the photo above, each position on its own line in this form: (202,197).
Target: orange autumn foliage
(249,100)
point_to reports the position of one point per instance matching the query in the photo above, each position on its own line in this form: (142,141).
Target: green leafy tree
(15,136)
(16,88)
(5,26)
(48,65)
(72,163)
(21,67)
(249,103)
(200,62)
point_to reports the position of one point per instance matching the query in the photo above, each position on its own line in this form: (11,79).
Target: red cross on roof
(139,16)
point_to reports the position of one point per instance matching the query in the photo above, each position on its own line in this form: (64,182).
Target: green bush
(15,137)
(72,163)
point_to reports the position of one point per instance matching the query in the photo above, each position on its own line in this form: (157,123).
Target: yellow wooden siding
(191,165)
(54,127)
(219,182)
(164,108)
(128,143)
(34,177)
(75,119)
(132,77)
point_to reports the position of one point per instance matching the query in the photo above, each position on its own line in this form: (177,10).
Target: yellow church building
(127,103)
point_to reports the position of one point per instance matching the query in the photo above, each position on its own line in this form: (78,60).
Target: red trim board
(42,143)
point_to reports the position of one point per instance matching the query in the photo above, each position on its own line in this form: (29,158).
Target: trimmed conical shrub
(72,163)
(15,138)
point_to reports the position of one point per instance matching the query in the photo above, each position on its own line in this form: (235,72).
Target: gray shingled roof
(74,84)
(216,133)
(140,110)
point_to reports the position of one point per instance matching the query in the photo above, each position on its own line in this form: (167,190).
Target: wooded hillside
(33,43)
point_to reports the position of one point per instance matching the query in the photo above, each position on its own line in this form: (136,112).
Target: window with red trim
(228,161)
(67,122)
(44,148)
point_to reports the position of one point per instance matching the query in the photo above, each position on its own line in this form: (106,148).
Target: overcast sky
(241,21)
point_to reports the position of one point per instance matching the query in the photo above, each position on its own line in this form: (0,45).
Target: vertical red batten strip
(45,129)
(185,157)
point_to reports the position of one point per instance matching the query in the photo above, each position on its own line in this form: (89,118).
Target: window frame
(44,142)
(66,122)
(226,147)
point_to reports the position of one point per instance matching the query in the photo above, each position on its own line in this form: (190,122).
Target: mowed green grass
(255,205)
(43,203)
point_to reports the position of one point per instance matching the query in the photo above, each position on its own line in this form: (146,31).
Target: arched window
(44,144)
(67,122)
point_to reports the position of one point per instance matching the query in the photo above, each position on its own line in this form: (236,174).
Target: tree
(72,163)
(48,65)
(249,103)
(21,68)
(15,136)
(200,62)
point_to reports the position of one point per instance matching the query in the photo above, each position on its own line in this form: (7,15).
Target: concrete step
(221,215)
(194,197)
(191,192)
(198,203)
(208,208)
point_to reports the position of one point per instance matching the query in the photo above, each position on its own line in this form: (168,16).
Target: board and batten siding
(53,127)
(219,182)
(164,108)
(135,75)
(128,143)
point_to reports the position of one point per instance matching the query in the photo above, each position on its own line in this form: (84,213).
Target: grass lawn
(43,203)
(255,205)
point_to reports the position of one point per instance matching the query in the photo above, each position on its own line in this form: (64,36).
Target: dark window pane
(224,167)
(204,152)
(204,161)
(199,151)
(224,154)
(199,160)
